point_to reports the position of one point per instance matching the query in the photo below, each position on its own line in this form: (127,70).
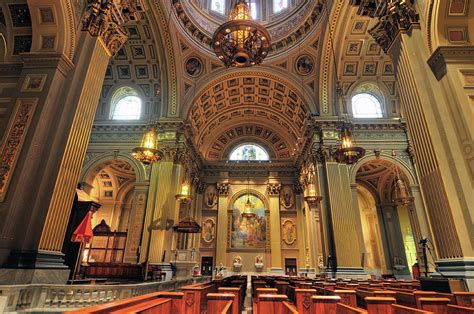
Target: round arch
(244,191)
(251,140)
(91,166)
(369,157)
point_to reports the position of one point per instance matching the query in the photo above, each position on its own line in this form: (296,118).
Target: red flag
(83,232)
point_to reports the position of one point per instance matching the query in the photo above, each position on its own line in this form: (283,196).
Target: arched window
(218,6)
(126,105)
(249,152)
(365,105)
(279,5)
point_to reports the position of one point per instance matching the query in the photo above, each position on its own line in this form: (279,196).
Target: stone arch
(447,21)
(406,170)
(244,191)
(92,165)
(60,29)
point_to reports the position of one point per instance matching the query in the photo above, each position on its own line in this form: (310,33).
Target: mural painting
(248,233)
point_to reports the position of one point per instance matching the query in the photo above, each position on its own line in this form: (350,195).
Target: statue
(308,263)
(259,262)
(237,263)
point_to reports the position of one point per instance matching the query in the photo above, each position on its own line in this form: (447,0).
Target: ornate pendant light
(248,209)
(148,151)
(402,194)
(241,42)
(188,224)
(348,152)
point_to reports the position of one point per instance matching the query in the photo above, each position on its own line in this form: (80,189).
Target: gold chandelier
(348,152)
(241,42)
(402,194)
(148,151)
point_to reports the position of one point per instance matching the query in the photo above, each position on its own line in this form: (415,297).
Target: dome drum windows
(126,104)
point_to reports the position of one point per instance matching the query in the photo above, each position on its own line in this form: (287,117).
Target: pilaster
(273,191)
(223,190)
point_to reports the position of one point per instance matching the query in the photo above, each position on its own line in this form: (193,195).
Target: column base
(35,260)
(462,268)
(310,272)
(19,276)
(347,272)
(276,270)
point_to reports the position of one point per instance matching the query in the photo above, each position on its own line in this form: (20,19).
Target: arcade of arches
(76,100)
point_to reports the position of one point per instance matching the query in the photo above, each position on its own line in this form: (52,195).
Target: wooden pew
(346,309)
(237,302)
(464,298)
(325,304)
(435,305)
(220,303)
(303,300)
(348,297)
(456,309)
(400,309)
(195,300)
(149,307)
(177,304)
(379,304)
(273,303)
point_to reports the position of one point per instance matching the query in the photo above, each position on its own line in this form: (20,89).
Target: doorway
(206,265)
(291,267)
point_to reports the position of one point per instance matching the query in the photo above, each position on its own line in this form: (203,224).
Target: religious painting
(287,197)
(210,196)
(304,65)
(289,232)
(248,232)
(193,66)
(208,230)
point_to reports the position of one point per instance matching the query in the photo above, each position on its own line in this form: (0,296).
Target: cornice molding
(449,54)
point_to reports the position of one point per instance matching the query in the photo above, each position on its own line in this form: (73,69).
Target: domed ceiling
(287,25)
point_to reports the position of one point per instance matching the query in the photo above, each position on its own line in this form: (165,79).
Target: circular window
(365,105)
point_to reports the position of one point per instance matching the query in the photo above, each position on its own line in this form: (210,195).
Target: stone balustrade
(48,297)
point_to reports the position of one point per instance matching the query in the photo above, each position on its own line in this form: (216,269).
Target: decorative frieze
(13,141)
(223,189)
(273,189)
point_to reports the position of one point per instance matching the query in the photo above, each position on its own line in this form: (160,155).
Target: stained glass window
(365,105)
(127,108)
(279,5)
(249,152)
(218,6)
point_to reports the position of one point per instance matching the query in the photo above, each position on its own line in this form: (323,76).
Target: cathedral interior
(173,145)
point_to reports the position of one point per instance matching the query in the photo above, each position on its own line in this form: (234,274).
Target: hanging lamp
(188,224)
(248,207)
(241,42)
(349,153)
(148,151)
(402,194)
(310,194)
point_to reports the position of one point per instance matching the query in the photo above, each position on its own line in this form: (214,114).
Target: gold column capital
(223,189)
(273,189)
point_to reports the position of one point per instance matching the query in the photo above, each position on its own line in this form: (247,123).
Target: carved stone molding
(449,54)
(393,16)
(223,189)
(321,153)
(103,18)
(13,141)
(273,189)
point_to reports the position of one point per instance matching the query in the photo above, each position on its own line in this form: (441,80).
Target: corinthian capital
(223,188)
(273,189)
(393,16)
(99,21)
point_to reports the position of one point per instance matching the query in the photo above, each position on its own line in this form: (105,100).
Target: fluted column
(222,222)
(135,227)
(344,220)
(273,191)
(434,90)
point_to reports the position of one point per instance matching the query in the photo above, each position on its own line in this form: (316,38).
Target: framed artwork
(208,230)
(289,232)
(287,197)
(248,233)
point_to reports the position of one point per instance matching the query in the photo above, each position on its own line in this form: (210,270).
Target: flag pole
(78,261)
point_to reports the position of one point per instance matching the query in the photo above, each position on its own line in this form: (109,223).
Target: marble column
(273,191)
(55,108)
(435,86)
(344,221)
(222,223)
(135,228)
